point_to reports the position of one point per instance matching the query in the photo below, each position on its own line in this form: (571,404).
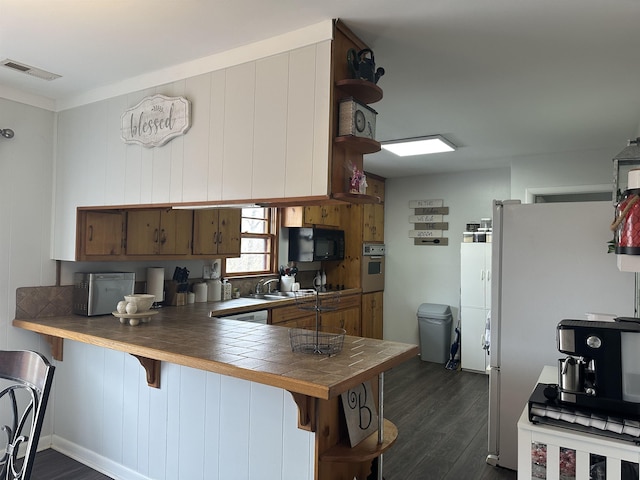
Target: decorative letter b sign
(360,412)
(156,120)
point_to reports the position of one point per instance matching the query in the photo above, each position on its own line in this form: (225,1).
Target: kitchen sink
(279,295)
(272,295)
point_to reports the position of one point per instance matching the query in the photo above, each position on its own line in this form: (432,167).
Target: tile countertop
(260,353)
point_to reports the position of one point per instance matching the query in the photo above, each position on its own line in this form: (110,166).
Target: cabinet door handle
(488,275)
(91,233)
(215,238)
(155,236)
(163,237)
(220,238)
(481,274)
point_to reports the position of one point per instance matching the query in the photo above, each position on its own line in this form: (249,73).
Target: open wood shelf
(356,198)
(362,90)
(358,144)
(366,450)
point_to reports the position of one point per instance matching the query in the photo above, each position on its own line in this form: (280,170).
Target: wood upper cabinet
(159,232)
(372,315)
(324,215)
(217,231)
(375,187)
(373,223)
(100,233)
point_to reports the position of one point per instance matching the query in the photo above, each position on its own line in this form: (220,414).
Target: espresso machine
(602,372)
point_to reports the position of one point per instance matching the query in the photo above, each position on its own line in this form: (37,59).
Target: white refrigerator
(549,262)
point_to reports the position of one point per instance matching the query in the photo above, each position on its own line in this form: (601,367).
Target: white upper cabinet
(239,101)
(260,130)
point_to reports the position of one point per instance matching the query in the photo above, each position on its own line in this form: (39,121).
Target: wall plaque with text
(156,120)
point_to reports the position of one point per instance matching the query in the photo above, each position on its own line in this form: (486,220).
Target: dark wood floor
(51,465)
(441,417)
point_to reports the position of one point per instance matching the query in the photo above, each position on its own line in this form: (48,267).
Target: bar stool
(25,382)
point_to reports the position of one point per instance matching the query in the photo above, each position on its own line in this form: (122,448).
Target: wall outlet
(207,271)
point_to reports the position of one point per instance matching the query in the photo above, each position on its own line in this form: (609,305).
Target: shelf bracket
(152,367)
(306,411)
(57,346)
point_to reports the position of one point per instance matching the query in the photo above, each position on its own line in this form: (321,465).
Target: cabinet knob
(91,233)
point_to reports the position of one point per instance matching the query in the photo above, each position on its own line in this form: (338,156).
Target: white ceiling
(502,79)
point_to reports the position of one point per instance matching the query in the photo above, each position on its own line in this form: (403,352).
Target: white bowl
(142,300)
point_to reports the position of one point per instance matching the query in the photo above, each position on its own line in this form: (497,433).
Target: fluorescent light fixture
(419,146)
(212,206)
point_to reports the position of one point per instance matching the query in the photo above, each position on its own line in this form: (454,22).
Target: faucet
(262,283)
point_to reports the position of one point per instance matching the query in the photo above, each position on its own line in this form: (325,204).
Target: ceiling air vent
(34,72)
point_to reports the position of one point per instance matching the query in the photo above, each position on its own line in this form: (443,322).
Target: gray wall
(25,215)
(428,274)
(431,274)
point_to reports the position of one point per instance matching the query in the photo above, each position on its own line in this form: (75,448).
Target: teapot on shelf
(363,66)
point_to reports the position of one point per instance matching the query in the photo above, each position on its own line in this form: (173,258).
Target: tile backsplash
(38,302)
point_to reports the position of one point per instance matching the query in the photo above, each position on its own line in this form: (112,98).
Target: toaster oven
(99,293)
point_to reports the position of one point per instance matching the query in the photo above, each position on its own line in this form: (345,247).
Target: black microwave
(315,244)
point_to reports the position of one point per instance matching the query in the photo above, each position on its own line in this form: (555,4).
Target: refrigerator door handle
(493,421)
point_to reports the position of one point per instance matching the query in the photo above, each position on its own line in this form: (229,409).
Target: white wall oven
(372,274)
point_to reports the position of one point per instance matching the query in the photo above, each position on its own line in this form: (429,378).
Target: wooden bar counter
(254,352)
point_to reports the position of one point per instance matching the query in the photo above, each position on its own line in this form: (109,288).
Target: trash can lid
(434,310)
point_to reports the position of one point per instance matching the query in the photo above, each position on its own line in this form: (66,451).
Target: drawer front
(286,314)
(292,312)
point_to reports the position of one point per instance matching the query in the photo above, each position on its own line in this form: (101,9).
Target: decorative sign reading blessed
(156,120)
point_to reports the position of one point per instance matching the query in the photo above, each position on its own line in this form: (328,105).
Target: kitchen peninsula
(254,353)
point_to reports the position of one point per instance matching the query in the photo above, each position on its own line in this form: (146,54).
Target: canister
(226,290)
(200,290)
(467,237)
(214,290)
(627,224)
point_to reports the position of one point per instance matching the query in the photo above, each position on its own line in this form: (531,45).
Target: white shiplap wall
(198,425)
(259,130)
(25,217)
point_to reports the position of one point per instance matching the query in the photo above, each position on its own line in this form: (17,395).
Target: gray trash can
(434,323)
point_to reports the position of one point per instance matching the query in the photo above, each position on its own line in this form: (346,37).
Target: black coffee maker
(602,372)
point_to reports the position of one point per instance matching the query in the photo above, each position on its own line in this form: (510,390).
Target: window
(257,243)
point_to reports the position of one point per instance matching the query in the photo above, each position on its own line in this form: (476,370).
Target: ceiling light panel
(419,146)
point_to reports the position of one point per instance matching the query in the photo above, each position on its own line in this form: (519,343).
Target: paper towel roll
(155,282)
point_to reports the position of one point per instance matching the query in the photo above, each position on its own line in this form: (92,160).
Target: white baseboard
(92,459)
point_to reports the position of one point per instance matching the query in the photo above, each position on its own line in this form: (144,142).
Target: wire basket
(314,301)
(323,340)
